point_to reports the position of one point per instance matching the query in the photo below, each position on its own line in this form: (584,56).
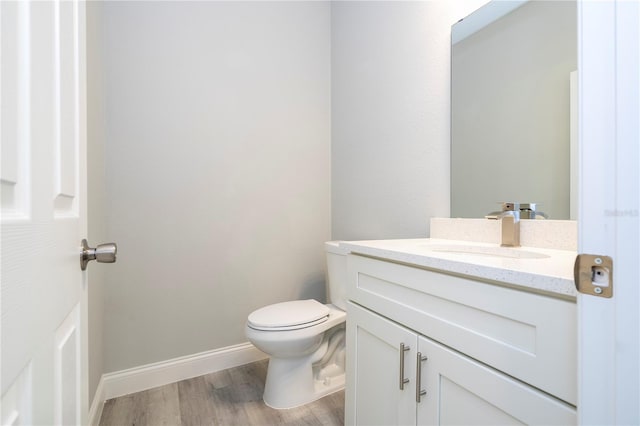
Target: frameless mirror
(511,131)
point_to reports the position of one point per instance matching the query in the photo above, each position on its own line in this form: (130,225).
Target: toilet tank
(336,274)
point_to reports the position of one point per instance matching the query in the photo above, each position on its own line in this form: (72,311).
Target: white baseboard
(119,383)
(95,411)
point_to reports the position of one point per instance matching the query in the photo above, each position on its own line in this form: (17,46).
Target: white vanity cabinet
(492,354)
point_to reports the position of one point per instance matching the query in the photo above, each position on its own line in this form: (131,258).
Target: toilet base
(305,364)
(291,383)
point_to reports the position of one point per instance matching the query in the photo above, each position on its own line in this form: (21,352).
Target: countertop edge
(553,285)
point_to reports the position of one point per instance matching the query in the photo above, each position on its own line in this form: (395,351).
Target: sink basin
(499,252)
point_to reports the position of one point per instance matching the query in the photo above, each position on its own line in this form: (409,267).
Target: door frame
(608,224)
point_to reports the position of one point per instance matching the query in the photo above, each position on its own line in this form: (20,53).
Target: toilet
(305,341)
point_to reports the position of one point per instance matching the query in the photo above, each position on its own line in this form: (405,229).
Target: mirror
(511,107)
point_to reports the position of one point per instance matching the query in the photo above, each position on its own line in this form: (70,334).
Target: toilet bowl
(305,341)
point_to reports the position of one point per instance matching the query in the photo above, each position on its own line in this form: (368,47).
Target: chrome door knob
(104,253)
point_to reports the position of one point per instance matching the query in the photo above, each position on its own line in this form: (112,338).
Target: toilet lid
(286,315)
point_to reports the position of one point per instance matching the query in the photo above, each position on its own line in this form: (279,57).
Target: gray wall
(96,196)
(218,156)
(511,100)
(218,169)
(390,116)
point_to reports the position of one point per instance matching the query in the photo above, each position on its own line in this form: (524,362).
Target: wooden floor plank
(230,397)
(228,401)
(219,379)
(259,414)
(117,411)
(159,407)
(330,409)
(299,416)
(196,404)
(154,407)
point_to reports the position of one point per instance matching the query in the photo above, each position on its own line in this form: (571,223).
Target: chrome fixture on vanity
(509,217)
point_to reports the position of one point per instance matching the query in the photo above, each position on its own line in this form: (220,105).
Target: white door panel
(17,401)
(67,371)
(66,95)
(44,356)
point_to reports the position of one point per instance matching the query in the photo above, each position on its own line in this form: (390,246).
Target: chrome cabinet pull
(419,392)
(403,380)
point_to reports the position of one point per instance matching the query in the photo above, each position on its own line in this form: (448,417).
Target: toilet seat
(291,315)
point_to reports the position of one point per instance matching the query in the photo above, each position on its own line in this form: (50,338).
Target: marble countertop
(532,269)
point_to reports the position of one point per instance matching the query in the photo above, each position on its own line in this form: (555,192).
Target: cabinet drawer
(529,336)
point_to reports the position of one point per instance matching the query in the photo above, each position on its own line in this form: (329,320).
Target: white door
(44,355)
(609,209)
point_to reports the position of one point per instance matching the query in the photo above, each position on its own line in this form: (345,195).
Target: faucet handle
(528,206)
(528,211)
(510,206)
(506,206)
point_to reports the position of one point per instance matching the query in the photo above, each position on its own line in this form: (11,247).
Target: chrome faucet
(509,217)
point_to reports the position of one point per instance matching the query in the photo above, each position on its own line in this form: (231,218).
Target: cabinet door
(460,391)
(373,395)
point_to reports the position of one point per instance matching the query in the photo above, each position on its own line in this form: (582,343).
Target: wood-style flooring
(228,397)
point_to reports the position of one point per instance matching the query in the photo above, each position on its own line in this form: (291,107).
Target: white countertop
(552,274)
